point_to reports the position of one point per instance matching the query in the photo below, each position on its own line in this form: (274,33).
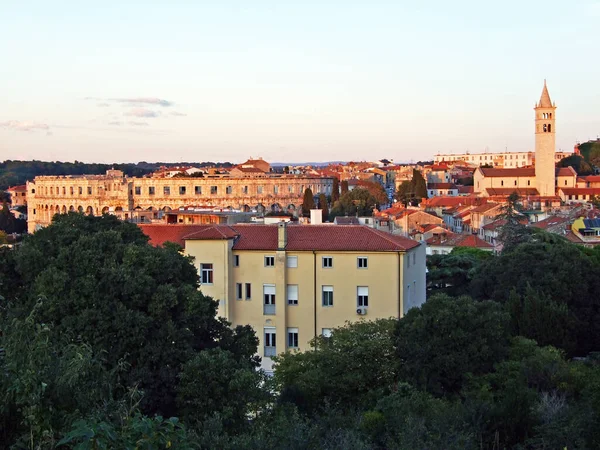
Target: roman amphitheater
(143,199)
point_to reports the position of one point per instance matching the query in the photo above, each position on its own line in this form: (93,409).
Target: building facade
(294,282)
(128,197)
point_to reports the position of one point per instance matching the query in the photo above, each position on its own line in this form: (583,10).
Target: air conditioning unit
(361,311)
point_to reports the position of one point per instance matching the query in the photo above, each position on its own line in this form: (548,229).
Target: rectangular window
(292,294)
(275,189)
(292,334)
(89,190)
(167,190)
(248,291)
(327,262)
(151,190)
(363,262)
(198,190)
(362,296)
(206,273)
(327,292)
(213,190)
(270,342)
(269,261)
(259,189)
(229,190)
(245,190)
(238,291)
(236,260)
(80,190)
(291,262)
(182,190)
(408,260)
(290,188)
(138,190)
(269,299)
(414,258)
(70,190)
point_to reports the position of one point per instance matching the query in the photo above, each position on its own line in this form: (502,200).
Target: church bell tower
(545,144)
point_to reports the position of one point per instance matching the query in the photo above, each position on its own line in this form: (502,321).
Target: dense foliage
(357,202)
(413,191)
(577,162)
(107,343)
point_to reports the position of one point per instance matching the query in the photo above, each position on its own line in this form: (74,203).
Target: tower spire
(545,101)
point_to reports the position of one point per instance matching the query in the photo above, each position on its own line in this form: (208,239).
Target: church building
(542,180)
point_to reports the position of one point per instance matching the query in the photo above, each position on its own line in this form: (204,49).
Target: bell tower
(545,144)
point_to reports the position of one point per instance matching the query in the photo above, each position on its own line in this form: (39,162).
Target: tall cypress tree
(344,186)
(323,207)
(335,191)
(308,202)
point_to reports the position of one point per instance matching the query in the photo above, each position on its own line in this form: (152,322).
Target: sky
(291,81)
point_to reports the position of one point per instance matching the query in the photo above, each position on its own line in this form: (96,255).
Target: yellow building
(294,282)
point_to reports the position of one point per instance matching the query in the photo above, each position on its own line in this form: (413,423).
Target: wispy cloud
(23,125)
(144,101)
(177,114)
(138,124)
(115,123)
(142,112)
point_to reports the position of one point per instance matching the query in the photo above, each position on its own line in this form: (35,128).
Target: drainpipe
(315,292)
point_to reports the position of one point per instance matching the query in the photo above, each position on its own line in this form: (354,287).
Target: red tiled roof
(440,186)
(346,221)
(213,232)
(580,191)
(565,172)
(590,178)
(249,169)
(20,188)
(508,191)
(549,222)
(458,240)
(494,225)
(443,201)
(466,189)
(519,172)
(159,233)
(484,208)
(313,237)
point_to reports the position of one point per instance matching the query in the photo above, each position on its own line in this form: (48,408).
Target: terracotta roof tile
(160,233)
(312,237)
(459,240)
(580,191)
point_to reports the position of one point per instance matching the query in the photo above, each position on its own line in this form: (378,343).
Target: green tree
(344,188)
(339,371)
(335,190)
(96,281)
(448,339)
(577,162)
(308,202)
(451,274)
(323,206)
(376,190)
(419,185)
(405,193)
(358,201)
(560,272)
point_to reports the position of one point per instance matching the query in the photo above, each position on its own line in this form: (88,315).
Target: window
(414,258)
(259,189)
(248,291)
(138,190)
(528,182)
(327,262)
(213,190)
(236,260)
(362,262)
(70,190)
(181,190)
(565,182)
(408,260)
(270,342)
(89,190)
(502,183)
(291,262)
(275,190)
(292,294)
(269,299)
(151,190)
(228,189)
(238,291)
(206,273)
(80,190)
(198,190)
(167,190)
(327,295)
(269,261)
(292,334)
(515,182)
(245,190)
(326,332)
(362,296)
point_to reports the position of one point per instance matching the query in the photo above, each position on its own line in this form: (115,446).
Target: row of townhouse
(292,283)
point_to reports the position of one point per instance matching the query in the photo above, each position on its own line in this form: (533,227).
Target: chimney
(316,217)
(281,236)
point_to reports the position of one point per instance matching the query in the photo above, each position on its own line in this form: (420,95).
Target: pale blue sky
(291,80)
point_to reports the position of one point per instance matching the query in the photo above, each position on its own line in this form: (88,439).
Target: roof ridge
(383,235)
